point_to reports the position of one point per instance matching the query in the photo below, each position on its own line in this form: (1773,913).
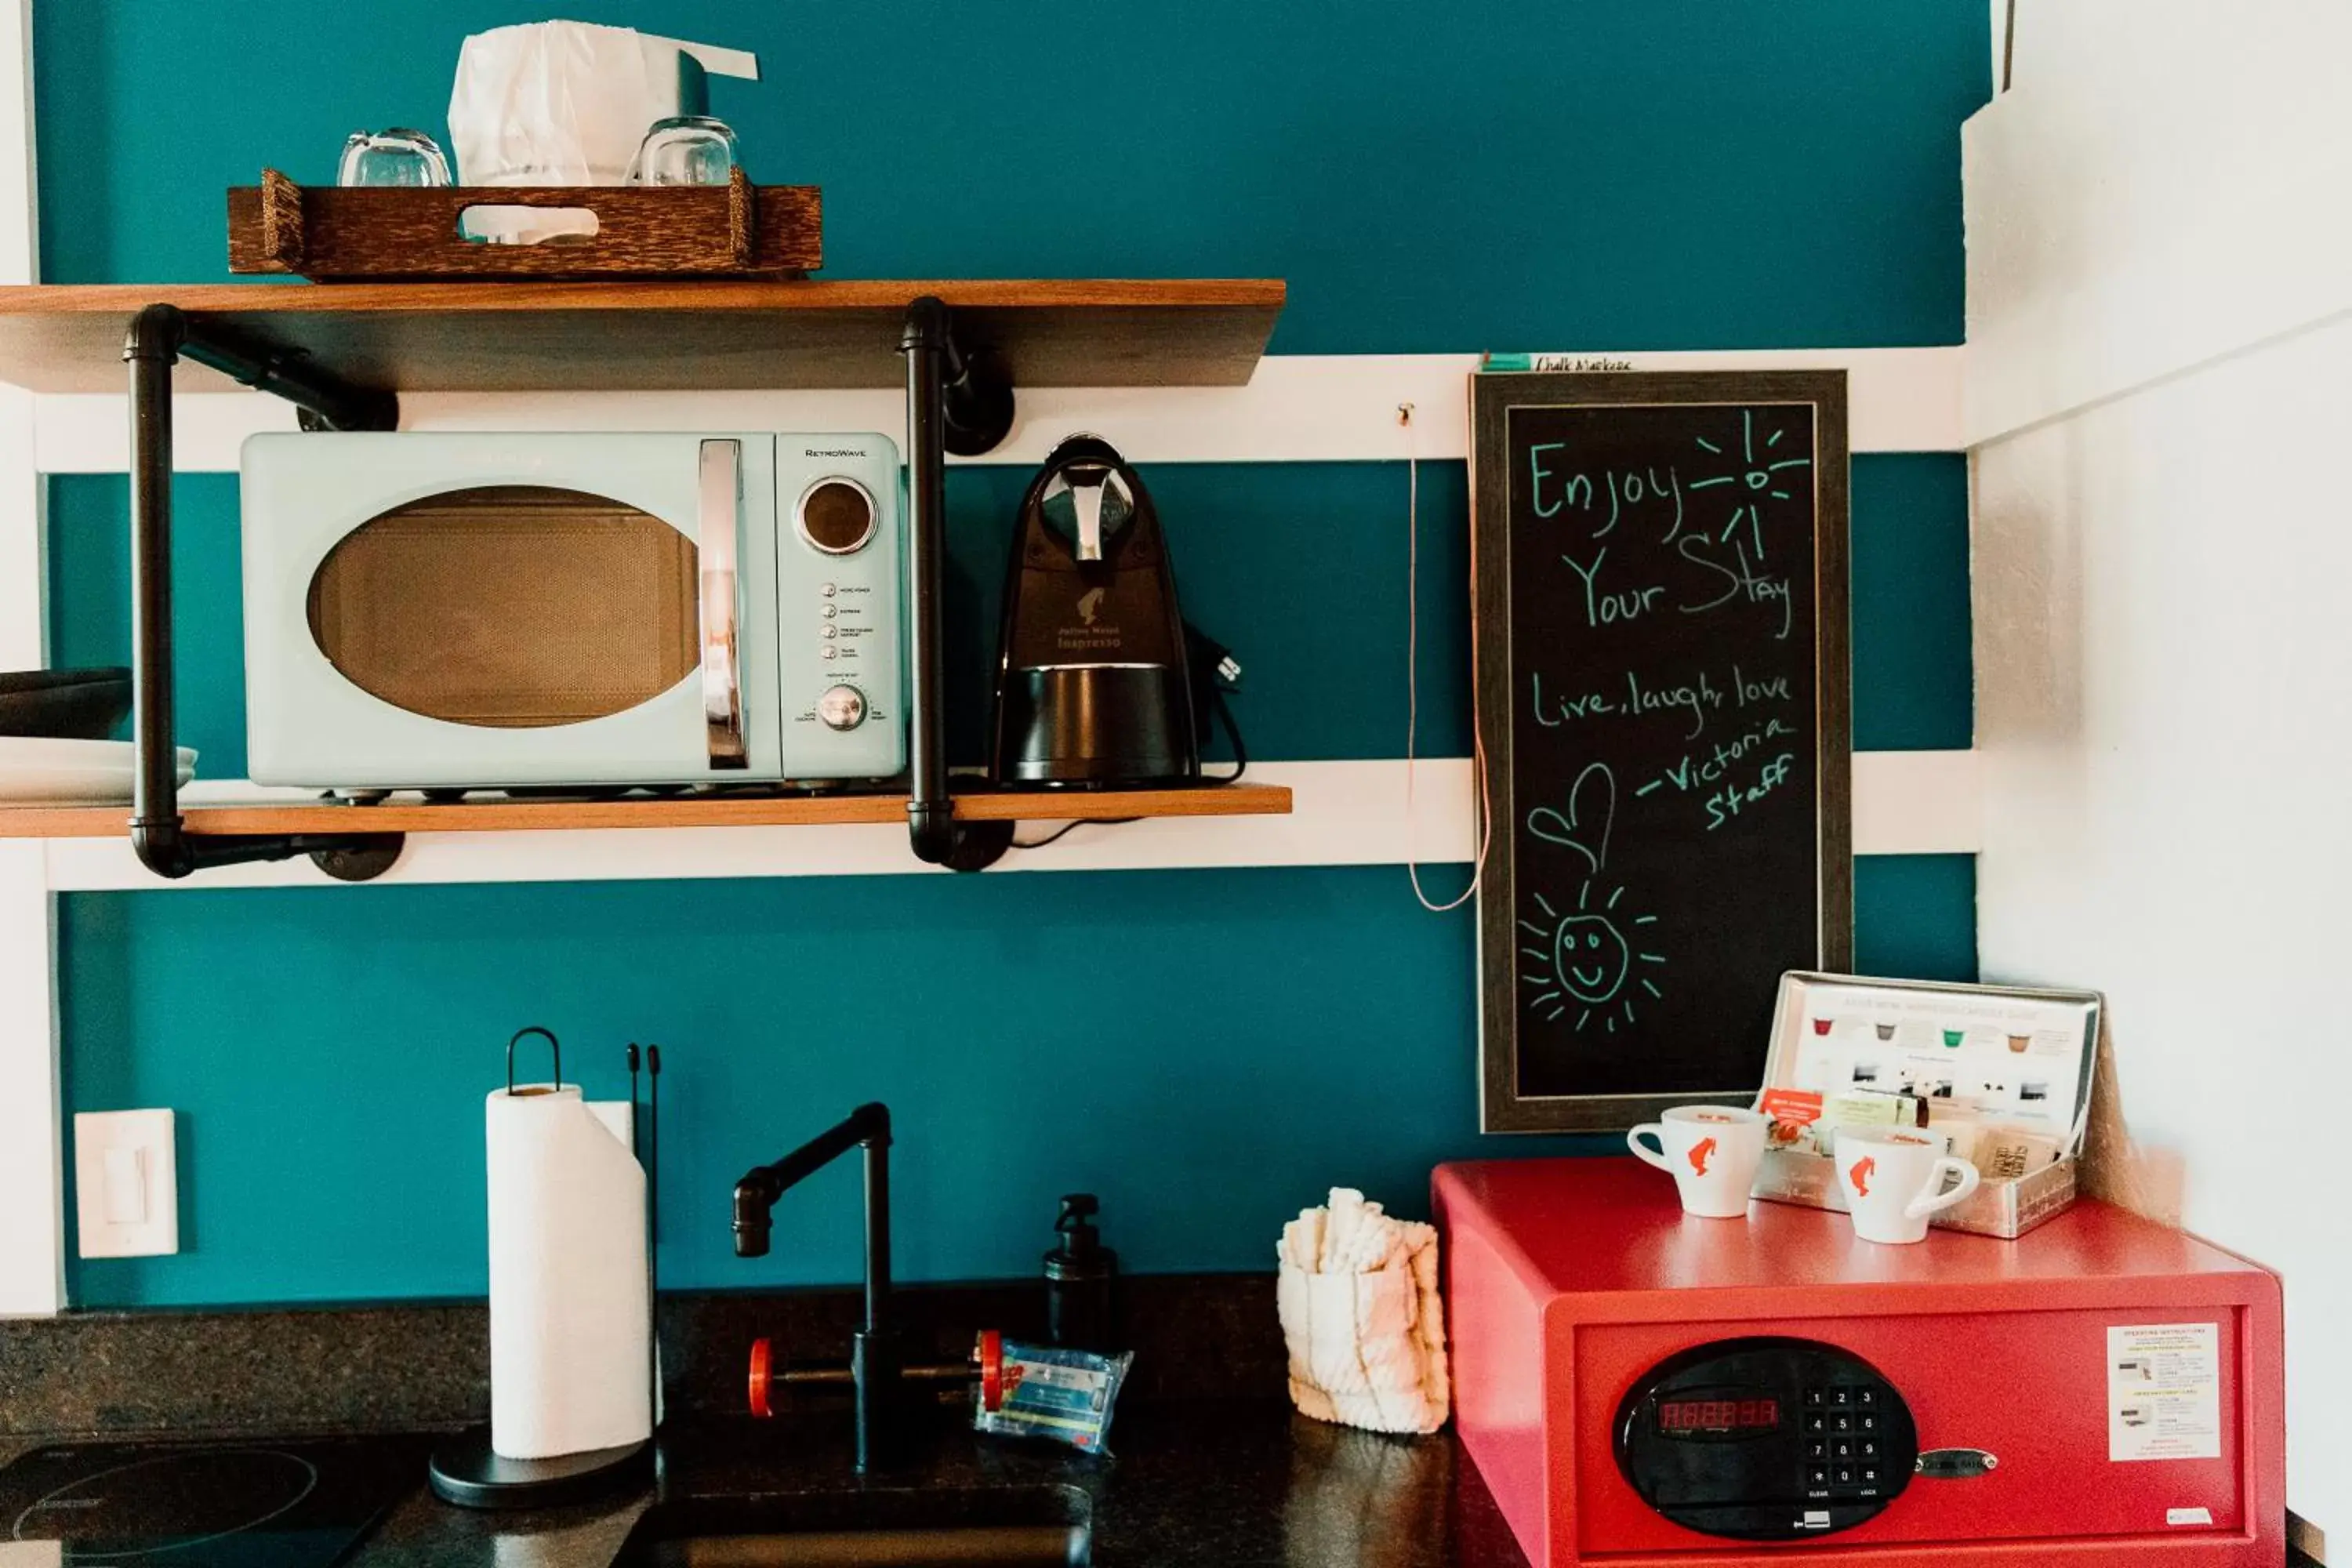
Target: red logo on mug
(1699,1151)
(1861,1173)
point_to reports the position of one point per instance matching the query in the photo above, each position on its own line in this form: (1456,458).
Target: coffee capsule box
(2022,1119)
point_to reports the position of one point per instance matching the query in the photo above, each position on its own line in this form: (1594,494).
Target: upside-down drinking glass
(684,150)
(394,157)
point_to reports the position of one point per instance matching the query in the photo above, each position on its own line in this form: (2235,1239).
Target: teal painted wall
(1208,1050)
(1581,173)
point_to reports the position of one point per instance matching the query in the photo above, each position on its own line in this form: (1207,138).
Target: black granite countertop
(1206,1483)
(1212,1466)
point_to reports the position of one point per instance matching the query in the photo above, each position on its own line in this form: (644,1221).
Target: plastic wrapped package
(1044,1391)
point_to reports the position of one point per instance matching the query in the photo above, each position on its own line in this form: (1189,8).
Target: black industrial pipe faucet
(873,1353)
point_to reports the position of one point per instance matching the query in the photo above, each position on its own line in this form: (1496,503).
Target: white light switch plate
(126,1183)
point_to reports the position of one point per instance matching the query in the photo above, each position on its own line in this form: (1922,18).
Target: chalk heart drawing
(1584,826)
(1587,960)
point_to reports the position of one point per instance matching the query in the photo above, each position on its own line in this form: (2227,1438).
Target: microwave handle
(718,514)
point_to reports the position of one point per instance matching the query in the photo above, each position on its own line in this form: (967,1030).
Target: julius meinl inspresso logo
(1090,634)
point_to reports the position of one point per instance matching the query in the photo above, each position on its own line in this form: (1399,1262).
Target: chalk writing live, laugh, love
(1735,769)
(1699,695)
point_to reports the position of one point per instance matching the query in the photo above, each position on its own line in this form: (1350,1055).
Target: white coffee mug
(1894,1179)
(1712,1152)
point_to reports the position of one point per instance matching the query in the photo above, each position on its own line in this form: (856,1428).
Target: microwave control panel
(840,606)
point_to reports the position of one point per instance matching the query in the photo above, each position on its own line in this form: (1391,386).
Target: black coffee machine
(1095,684)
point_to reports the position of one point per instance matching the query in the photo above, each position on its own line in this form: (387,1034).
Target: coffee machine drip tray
(259,1505)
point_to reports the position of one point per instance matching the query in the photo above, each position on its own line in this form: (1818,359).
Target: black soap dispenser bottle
(1079,1274)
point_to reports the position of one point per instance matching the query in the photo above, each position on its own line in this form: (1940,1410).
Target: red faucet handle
(762,1365)
(990,1356)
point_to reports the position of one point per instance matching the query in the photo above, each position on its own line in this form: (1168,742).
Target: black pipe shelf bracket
(959,399)
(158,337)
(958,402)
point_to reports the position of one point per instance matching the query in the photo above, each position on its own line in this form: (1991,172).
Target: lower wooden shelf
(1352,812)
(690,811)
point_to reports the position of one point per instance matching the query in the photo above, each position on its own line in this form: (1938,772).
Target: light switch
(126,1187)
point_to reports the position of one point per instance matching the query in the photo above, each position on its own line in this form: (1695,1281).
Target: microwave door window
(511,606)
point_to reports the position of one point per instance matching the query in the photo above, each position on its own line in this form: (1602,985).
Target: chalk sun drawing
(1756,480)
(1590,957)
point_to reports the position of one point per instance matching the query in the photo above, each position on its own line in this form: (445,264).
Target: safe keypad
(1841,1428)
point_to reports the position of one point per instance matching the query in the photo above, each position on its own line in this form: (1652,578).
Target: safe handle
(719,492)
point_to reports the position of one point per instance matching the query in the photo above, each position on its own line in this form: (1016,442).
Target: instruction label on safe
(2164,1392)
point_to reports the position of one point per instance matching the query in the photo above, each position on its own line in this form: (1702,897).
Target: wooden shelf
(638,335)
(660,336)
(527,816)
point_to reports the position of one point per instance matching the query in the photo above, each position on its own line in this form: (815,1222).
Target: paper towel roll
(570,1311)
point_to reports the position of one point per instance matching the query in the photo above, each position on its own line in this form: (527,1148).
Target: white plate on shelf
(35,771)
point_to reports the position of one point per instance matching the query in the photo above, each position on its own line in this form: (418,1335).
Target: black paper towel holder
(466,1472)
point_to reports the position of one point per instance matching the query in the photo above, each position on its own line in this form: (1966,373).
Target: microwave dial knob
(837,515)
(841,708)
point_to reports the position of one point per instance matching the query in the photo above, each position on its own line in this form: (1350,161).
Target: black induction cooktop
(253,1505)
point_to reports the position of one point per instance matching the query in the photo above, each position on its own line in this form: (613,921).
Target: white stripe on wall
(32,1165)
(1296,408)
(32,1170)
(1346,813)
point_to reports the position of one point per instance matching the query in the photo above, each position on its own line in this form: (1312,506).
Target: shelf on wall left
(692,810)
(638,336)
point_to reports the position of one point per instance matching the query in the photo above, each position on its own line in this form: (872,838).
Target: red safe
(1642,1386)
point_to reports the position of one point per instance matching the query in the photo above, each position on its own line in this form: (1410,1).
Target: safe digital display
(1728,1416)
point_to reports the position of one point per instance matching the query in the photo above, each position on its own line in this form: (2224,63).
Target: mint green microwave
(478,611)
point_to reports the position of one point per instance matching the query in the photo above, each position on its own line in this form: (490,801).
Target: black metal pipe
(152,348)
(757,1193)
(873,1350)
(878,1227)
(335,404)
(842,1376)
(157,337)
(955,403)
(976,400)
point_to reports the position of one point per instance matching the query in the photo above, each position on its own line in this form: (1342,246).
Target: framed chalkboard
(1663,712)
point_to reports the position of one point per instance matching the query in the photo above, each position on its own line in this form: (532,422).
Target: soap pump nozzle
(1074,1224)
(1078,1275)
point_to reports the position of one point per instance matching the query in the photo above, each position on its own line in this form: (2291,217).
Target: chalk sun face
(1589,962)
(1591,957)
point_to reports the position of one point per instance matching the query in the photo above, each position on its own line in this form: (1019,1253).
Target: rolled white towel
(1361,1317)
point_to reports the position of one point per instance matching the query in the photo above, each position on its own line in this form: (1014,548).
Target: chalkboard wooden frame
(1504,1108)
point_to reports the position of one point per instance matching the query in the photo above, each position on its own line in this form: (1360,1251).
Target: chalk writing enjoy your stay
(1714,522)
(1661,562)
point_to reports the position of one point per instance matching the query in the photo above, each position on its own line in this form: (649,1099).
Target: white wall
(32,1173)
(2159,387)
(2164,666)
(2167,181)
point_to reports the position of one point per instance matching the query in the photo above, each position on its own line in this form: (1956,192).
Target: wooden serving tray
(331,233)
